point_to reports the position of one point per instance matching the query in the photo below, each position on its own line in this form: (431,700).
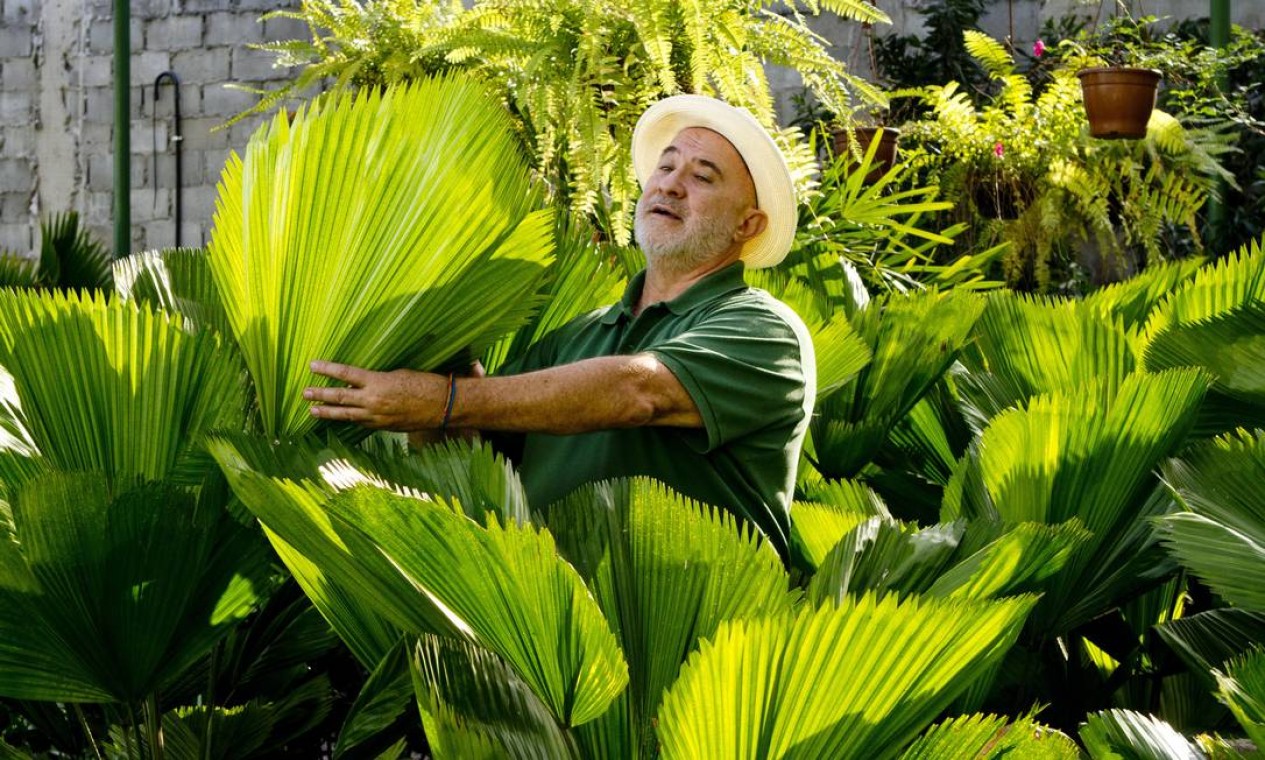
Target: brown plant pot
(884,157)
(1119,101)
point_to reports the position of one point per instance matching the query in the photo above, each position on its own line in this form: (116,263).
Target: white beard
(696,242)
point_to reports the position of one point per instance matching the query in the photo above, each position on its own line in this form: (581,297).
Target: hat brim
(775,190)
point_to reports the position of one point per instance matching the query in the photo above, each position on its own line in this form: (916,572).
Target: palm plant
(527,651)
(120,565)
(69,257)
(377,229)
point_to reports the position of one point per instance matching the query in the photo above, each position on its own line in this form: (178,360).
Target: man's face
(694,204)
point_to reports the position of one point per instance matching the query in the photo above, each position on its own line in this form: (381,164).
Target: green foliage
(1222,536)
(378,230)
(882,226)
(1242,689)
(667,573)
(991,736)
(107,597)
(1120,734)
(1032,177)
(68,258)
(755,689)
(576,74)
(1089,453)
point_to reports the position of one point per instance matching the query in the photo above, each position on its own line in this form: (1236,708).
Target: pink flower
(999,150)
(1038,48)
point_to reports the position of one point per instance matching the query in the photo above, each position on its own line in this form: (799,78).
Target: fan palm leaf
(836,508)
(855,681)
(381,229)
(1027,346)
(1242,689)
(474,706)
(977,560)
(177,280)
(1215,320)
(581,279)
(421,563)
(1132,300)
(70,257)
(913,339)
(1206,640)
(1112,734)
(106,598)
(1087,453)
(1222,538)
(667,572)
(144,389)
(976,737)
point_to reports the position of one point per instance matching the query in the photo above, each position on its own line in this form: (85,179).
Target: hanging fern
(577,74)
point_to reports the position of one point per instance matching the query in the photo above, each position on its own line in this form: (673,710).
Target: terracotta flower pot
(884,156)
(1119,101)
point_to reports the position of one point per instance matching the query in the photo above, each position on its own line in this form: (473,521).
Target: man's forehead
(714,147)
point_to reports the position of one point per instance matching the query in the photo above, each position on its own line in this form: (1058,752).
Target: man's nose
(673,183)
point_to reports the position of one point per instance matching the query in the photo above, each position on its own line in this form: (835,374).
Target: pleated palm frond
(667,573)
(114,387)
(1221,539)
(584,277)
(1230,345)
(976,560)
(1089,453)
(913,339)
(977,737)
(381,229)
(1112,734)
(474,705)
(385,696)
(177,280)
(1027,346)
(1217,320)
(1132,300)
(1206,640)
(419,562)
(106,598)
(860,680)
(835,508)
(70,257)
(922,452)
(342,574)
(1242,688)
(18,271)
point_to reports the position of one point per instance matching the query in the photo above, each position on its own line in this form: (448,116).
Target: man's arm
(593,394)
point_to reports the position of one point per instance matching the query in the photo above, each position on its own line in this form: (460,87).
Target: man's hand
(402,400)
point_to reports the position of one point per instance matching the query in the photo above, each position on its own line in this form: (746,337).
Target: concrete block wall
(56,98)
(57,110)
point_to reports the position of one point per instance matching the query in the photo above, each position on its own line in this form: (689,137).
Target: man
(692,378)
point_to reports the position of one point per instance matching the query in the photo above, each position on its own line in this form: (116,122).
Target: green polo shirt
(746,360)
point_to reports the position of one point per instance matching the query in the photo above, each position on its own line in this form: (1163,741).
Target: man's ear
(753,223)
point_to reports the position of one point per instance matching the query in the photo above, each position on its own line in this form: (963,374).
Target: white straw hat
(774,189)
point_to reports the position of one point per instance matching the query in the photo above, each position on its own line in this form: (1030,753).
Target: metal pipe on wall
(177,138)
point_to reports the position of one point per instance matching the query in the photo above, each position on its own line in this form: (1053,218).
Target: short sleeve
(746,365)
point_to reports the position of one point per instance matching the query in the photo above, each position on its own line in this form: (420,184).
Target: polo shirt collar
(711,287)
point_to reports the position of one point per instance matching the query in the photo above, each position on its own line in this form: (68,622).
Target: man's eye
(703,178)
(665,168)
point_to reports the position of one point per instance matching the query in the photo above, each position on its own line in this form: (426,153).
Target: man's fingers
(344,372)
(340,396)
(342,413)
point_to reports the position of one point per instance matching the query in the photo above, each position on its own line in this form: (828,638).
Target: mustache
(672,205)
